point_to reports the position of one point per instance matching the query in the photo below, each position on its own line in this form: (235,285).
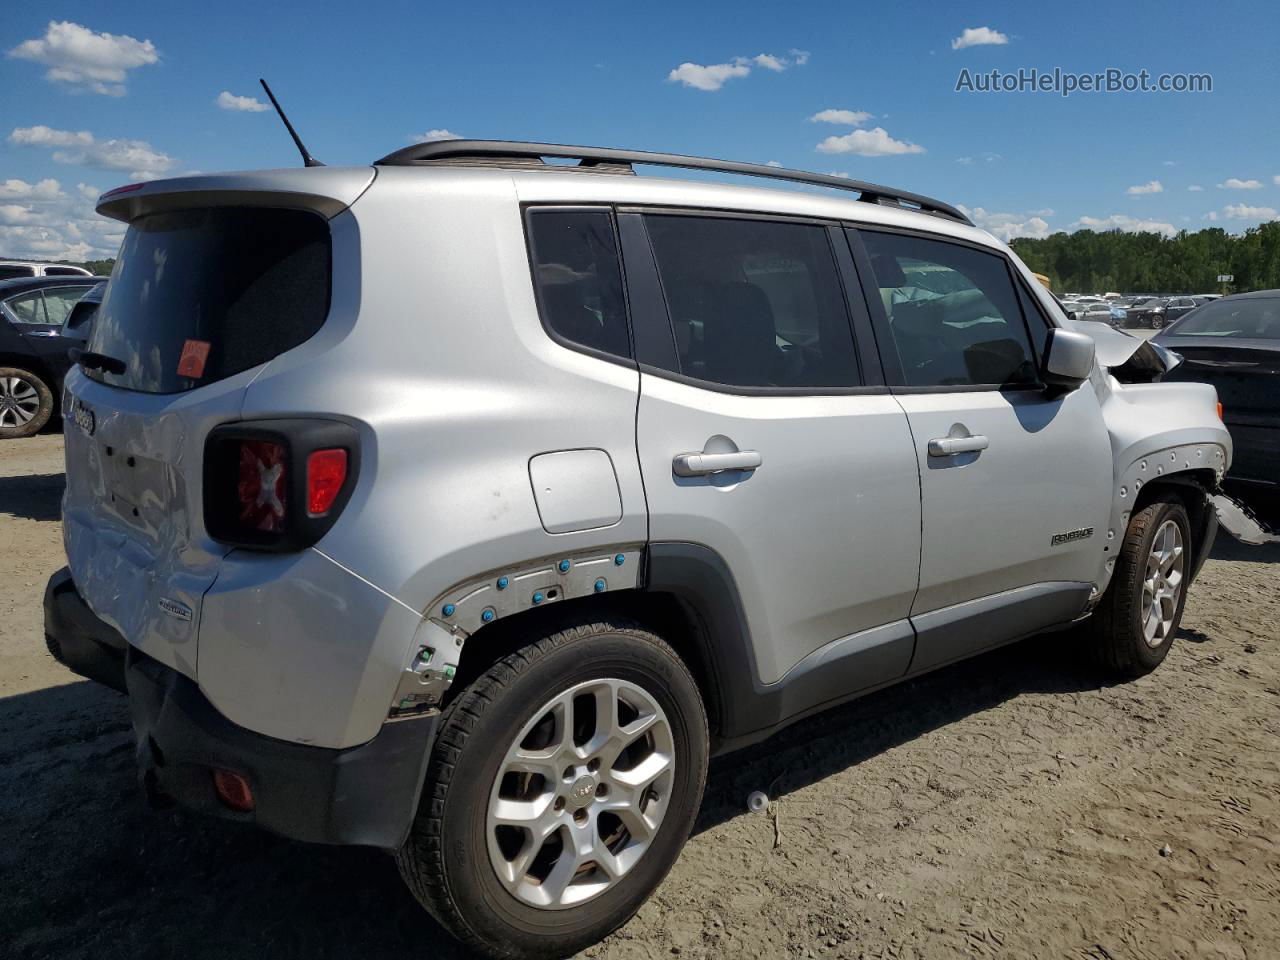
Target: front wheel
(563,784)
(26,403)
(1134,625)
(1157,323)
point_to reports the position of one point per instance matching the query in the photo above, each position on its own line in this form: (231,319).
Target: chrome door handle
(700,464)
(950,446)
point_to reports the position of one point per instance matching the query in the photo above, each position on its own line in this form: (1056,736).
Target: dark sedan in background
(33,348)
(1234,344)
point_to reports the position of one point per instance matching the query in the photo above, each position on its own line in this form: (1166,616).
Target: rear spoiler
(326,190)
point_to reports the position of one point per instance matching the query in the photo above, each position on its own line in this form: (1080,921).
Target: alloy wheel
(1162,583)
(580,794)
(19,402)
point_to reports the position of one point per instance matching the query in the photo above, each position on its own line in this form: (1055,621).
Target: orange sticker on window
(194,355)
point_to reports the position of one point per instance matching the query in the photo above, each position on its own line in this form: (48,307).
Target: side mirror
(1068,359)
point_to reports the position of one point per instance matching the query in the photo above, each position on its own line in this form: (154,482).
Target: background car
(13,269)
(1148,313)
(1175,308)
(33,348)
(1234,344)
(1098,310)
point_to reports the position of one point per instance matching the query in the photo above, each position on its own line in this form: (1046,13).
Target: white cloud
(229,101)
(773,163)
(46,189)
(434,134)
(713,76)
(1168,163)
(1211,215)
(967,161)
(137,157)
(1196,188)
(838,173)
(1124,223)
(1276,180)
(848,118)
(979,37)
(43,222)
(1006,226)
(85,61)
(1238,211)
(710,77)
(1235,183)
(1151,186)
(875,142)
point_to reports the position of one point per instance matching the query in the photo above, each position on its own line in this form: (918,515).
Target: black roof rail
(599,157)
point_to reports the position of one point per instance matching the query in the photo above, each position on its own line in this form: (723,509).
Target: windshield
(199,295)
(1257,319)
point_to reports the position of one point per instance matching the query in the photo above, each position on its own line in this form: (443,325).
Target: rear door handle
(700,464)
(950,446)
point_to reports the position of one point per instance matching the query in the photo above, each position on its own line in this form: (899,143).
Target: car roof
(19,284)
(1253,295)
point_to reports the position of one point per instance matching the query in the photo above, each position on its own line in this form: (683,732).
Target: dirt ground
(1014,806)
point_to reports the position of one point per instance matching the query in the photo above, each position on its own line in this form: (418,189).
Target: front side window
(953,313)
(28,308)
(754,303)
(58,302)
(577,278)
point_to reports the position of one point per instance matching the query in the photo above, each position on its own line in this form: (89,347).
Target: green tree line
(1090,262)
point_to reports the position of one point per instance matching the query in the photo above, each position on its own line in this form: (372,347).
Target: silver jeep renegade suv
(464,504)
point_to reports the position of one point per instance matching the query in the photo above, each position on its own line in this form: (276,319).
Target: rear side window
(9,272)
(199,295)
(754,303)
(953,313)
(28,308)
(578,280)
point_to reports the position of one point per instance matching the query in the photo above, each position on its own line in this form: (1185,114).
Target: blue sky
(91,111)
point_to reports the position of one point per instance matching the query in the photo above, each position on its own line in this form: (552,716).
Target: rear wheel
(1135,624)
(1157,323)
(26,403)
(563,784)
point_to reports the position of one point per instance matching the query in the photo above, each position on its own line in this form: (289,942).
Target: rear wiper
(96,361)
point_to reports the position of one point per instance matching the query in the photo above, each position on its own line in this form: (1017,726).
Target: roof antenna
(307,159)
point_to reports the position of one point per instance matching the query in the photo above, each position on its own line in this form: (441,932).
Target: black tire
(1157,323)
(1120,644)
(9,428)
(445,861)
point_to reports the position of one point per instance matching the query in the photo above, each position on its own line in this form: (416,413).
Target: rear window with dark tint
(9,272)
(229,287)
(578,279)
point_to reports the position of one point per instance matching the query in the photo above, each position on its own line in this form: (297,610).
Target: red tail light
(233,790)
(262,486)
(326,473)
(278,485)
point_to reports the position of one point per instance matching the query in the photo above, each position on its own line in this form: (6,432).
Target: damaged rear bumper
(365,795)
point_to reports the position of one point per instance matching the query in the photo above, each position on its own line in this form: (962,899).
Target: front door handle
(950,446)
(701,464)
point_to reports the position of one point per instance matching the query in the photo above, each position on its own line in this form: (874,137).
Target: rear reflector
(1219,409)
(233,790)
(262,485)
(326,473)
